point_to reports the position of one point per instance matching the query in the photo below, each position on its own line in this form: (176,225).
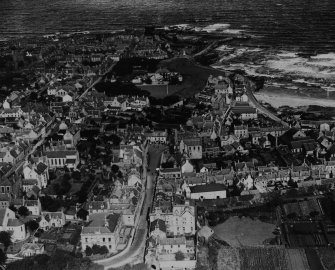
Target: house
(31,249)
(244,111)
(34,206)
(187,167)
(71,138)
(170,173)
(179,221)
(192,147)
(8,222)
(52,219)
(157,136)
(38,172)
(207,191)
(61,158)
(102,229)
(162,253)
(4,200)
(241,131)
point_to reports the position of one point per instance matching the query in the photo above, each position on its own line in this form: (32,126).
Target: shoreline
(277,100)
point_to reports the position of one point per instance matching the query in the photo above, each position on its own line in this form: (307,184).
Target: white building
(103,230)
(208,191)
(10,223)
(61,158)
(52,219)
(181,221)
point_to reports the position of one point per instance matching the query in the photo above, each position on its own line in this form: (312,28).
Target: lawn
(244,231)
(160,91)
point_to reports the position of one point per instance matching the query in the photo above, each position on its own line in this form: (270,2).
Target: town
(121,151)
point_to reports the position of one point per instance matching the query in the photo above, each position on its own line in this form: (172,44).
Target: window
(103,239)
(109,239)
(86,240)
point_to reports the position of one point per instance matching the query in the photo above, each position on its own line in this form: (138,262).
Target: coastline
(277,100)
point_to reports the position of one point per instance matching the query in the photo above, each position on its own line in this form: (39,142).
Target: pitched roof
(60,153)
(158,223)
(41,167)
(208,188)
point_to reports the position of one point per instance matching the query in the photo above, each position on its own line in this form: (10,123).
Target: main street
(134,253)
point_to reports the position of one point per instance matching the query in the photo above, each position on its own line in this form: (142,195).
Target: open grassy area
(160,91)
(195,76)
(244,231)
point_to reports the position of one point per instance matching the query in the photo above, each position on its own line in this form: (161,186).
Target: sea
(292,44)
(307,25)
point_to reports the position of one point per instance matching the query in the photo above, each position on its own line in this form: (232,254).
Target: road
(97,81)
(135,252)
(262,109)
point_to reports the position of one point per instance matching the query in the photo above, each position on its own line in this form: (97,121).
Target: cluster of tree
(23,211)
(82,193)
(50,204)
(5,239)
(63,186)
(118,88)
(96,249)
(166,101)
(60,260)
(126,65)
(32,225)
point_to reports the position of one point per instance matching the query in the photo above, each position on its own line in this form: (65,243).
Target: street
(135,253)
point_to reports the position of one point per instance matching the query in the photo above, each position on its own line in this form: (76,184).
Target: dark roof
(158,223)
(112,221)
(41,167)
(208,188)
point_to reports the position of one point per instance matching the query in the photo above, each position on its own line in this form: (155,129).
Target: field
(263,259)
(228,259)
(296,259)
(195,76)
(244,231)
(160,91)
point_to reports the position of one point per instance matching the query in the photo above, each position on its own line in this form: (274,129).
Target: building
(8,222)
(62,158)
(52,219)
(192,147)
(208,191)
(103,229)
(180,221)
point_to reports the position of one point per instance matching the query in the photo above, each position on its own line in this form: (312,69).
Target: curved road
(135,253)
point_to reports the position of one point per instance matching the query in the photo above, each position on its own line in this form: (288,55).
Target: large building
(103,229)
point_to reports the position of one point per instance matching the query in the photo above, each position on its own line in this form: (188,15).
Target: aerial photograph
(167,135)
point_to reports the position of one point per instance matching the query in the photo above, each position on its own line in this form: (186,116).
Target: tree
(5,239)
(23,211)
(104,250)
(32,225)
(3,257)
(76,175)
(115,168)
(179,256)
(88,251)
(82,214)
(96,249)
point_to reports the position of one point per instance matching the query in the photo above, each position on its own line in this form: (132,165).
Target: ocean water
(300,25)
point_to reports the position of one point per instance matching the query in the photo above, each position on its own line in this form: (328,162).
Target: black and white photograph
(167,135)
